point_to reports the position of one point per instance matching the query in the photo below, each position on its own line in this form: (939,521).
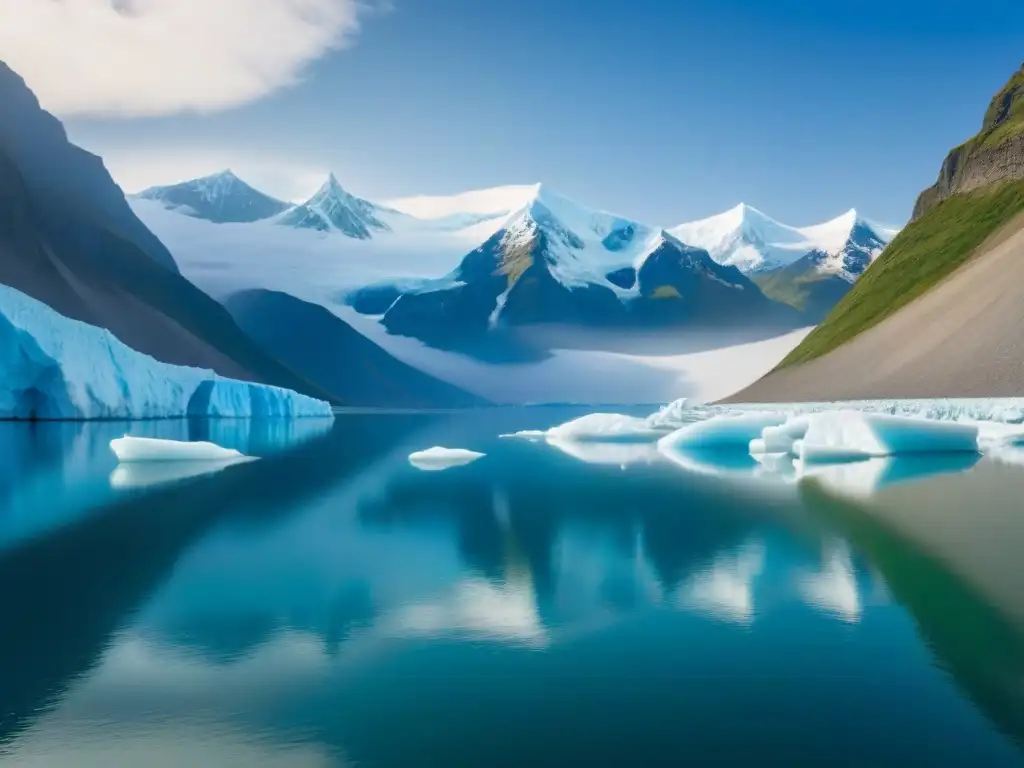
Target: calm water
(331,605)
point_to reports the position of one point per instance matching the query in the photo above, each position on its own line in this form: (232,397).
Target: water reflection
(150,473)
(959,610)
(334,605)
(865,479)
(726,589)
(833,587)
(53,472)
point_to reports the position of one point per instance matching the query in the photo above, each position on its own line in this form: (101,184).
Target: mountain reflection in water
(331,605)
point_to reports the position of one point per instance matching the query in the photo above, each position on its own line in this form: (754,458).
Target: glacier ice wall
(53,367)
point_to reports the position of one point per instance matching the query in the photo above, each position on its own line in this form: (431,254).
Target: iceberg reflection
(863,479)
(146,474)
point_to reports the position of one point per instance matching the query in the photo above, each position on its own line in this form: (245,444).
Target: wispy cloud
(156,57)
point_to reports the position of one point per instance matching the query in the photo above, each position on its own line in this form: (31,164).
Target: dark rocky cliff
(996,154)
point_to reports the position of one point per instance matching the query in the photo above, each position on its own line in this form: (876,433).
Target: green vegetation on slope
(930,248)
(1004,118)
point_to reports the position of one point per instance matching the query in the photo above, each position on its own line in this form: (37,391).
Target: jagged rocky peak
(333,209)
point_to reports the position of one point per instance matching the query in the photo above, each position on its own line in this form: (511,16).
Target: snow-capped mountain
(334,209)
(754,242)
(220,198)
(556,261)
(846,245)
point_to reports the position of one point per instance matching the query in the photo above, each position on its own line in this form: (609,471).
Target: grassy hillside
(929,249)
(1005,116)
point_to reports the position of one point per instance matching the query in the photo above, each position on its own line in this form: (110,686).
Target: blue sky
(663,111)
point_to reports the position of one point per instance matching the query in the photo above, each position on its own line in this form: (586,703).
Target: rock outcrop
(996,154)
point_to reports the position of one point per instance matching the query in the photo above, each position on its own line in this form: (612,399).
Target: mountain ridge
(75,183)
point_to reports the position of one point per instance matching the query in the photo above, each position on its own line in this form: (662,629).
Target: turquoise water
(331,605)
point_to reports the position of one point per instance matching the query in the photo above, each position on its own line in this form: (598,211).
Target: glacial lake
(332,605)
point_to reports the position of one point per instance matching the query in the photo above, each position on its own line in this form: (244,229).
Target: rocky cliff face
(996,154)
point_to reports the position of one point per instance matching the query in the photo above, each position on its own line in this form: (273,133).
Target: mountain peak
(226,174)
(331,186)
(221,197)
(333,208)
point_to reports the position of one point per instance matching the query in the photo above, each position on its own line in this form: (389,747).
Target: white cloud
(156,57)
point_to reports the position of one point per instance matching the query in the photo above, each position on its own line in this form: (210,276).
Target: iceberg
(597,428)
(721,431)
(438,458)
(780,439)
(671,416)
(605,427)
(155,449)
(852,435)
(58,368)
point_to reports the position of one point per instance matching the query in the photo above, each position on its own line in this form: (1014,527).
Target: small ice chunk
(780,439)
(723,431)
(671,416)
(154,449)
(851,435)
(438,458)
(533,435)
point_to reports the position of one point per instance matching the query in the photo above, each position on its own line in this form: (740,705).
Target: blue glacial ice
(58,368)
(892,440)
(849,435)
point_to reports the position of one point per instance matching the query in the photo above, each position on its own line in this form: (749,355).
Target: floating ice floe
(130,449)
(597,427)
(780,439)
(852,435)
(438,458)
(785,442)
(722,431)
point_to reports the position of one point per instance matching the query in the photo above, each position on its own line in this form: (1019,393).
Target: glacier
(59,368)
